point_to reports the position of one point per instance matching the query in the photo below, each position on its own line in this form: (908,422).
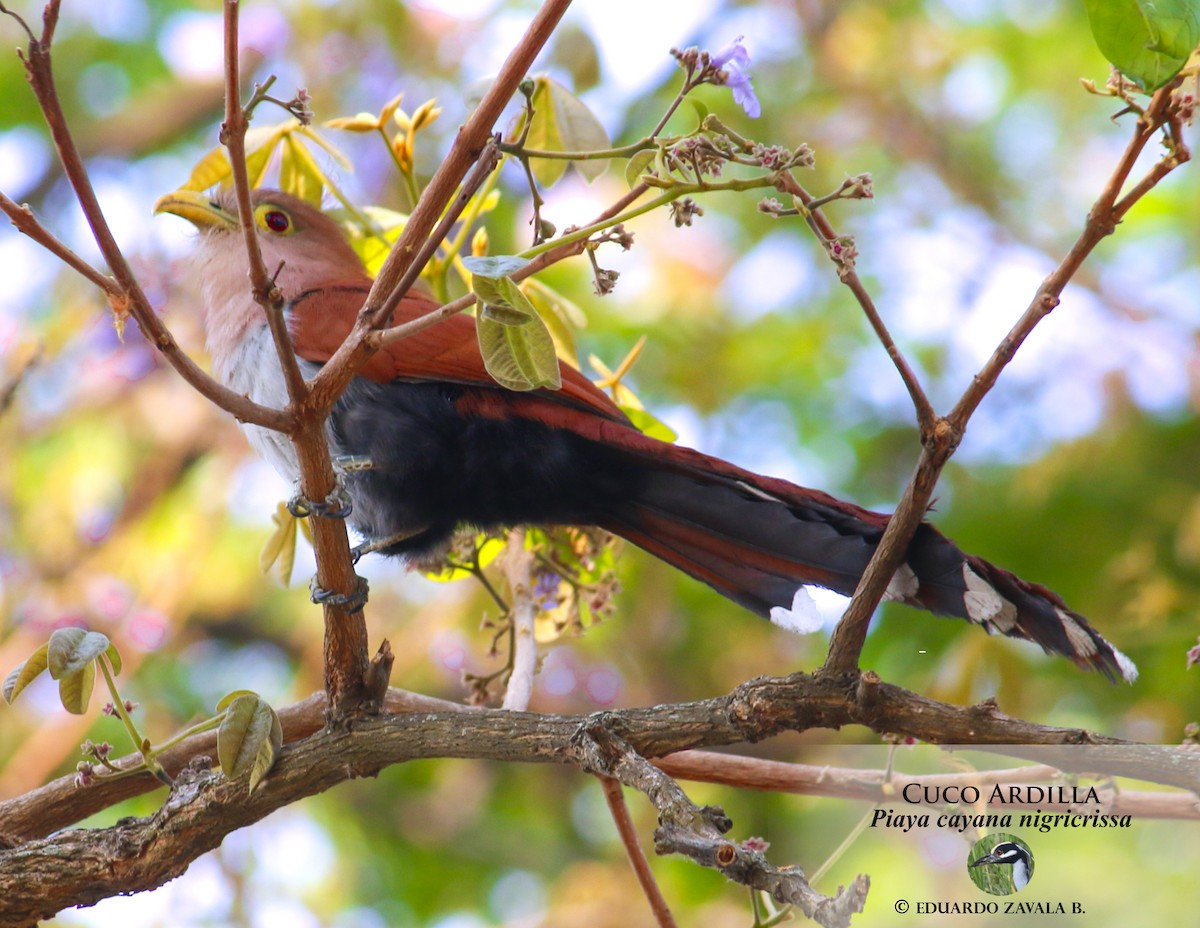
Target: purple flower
(545,590)
(734,60)
(734,52)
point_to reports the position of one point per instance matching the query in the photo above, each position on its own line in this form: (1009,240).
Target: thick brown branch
(145,853)
(753,712)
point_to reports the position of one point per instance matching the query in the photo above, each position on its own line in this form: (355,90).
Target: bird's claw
(353,602)
(353,463)
(337,505)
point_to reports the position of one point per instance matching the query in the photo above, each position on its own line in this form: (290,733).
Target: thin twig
(821,227)
(465,151)
(129,296)
(942,439)
(233,136)
(345,647)
(614,795)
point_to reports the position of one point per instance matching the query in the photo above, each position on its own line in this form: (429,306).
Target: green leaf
(561,122)
(561,316)
(71,649)
(519,357)
(249,739)
(494,266)
(114,658)
(487,549)
(75,688)
(299,173)
(230,697)
(575,52)
(638,165)
(24,674)
(648,423)
(1146,40)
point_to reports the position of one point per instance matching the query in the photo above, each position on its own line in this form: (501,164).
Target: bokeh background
(128,504)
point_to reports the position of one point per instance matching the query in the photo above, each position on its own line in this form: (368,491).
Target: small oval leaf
(24,674)
(70,649)
(519,357)
(249,738)
(638,165)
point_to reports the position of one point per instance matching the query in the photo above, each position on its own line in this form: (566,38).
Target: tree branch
(941,440)
(128,297)
(465,151)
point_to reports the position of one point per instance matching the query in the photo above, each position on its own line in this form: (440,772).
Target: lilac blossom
(734,61)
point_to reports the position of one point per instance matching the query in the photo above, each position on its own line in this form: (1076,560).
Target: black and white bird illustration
(1011,854)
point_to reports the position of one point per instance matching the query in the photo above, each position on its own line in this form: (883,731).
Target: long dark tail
(757,539)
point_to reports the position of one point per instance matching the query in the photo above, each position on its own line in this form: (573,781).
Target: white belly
(253,369)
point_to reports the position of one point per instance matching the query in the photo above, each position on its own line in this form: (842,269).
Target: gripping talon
(352,463)
(337,505)
(354,602)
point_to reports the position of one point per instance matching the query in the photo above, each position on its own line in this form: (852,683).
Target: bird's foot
(354,602)
(337,505)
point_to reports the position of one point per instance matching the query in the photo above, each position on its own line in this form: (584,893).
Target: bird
(449,447)
(1011,854)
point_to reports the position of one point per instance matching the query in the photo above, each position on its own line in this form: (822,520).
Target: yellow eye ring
(273,219)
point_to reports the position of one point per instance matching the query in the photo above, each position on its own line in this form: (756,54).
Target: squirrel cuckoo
(448,446)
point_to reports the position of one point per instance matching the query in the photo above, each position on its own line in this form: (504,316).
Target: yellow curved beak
(201,211)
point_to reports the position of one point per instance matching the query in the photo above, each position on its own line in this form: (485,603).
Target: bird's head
(1006,852)
(302,248)
(304,245)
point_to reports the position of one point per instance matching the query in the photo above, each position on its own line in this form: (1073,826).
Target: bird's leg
(370,547)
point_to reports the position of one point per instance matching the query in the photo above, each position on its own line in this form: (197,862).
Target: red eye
(277,221)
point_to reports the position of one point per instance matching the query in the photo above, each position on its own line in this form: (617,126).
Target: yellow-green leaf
(280,547)
(114,658)
(561,122)
(561,316)
(487,549)
(361,122)
(519,357)
(230,697)
(75,688)
(638,165)
(249,739)
(648,423)
(24,674)
(299,173)
(209,171)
